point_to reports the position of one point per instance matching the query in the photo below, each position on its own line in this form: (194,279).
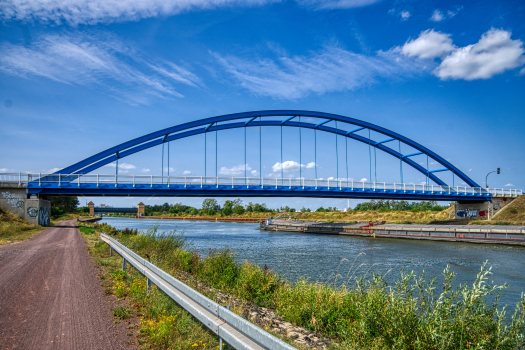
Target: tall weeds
(363,313)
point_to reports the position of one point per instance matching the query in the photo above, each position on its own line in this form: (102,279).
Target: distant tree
(320,210)
(238,209)
(227,211)
(209,204)
(66,203)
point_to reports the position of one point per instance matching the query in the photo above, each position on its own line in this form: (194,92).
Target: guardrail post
(110,251)
(148,285)
(124,265)
(227,346)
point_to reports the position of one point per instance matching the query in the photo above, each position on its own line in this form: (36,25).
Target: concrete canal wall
(494,234)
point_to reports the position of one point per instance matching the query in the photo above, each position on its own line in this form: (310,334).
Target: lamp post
(486,177)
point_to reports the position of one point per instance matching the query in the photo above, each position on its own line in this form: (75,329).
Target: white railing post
(184,181)
(217,182)
(384,186)
(374,186)
(39,177)
(328,184)
(59,184)
(290,183)
(315,183)
(352,185)
(432,189)
(275,183)
(363,185)
(168,182)
(340,185)
(404,188)
(303,182)
(78,180)
(133,180)
(414,188)
(201,181)
(151,181)
(232,181)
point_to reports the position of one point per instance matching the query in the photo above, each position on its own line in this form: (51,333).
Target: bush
(194,211)
(239,209)
(227,211)
(211,212)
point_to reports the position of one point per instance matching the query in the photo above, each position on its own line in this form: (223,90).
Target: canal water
(320,257)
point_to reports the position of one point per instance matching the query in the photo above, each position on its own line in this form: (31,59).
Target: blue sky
(77,77)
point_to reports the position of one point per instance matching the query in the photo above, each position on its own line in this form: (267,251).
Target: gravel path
(51,296)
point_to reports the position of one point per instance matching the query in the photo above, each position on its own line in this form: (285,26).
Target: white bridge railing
(22,179)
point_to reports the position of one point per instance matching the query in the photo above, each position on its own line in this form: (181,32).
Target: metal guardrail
(22,179)
(233,329)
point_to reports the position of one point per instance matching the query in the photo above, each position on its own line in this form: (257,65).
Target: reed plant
(359,311)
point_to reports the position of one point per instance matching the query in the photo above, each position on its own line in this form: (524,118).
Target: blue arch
(211,124)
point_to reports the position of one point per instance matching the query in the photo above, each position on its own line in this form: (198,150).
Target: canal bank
(390,316)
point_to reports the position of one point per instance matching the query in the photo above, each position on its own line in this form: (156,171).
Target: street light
(498,171)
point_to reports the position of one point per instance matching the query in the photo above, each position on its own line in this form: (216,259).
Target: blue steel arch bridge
(79,179)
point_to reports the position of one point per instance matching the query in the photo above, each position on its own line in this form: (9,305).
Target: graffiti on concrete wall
(14,200)
(496,206)
(468,213)
(43,216)
(32,212)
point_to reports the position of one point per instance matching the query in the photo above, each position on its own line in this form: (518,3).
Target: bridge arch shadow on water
(77,179)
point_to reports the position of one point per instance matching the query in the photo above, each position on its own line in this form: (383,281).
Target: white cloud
(291,166)
(509,185)
(50,171)
(235,170)
(522,71)
(126,166)
(4,170)
(404,15)
(332,69)
(145,170)
(429,44)
(288,166)
(336,4)
(437,16)
(186,172)
(101,62)
(493,54)
(254,172)
(470,170)
(364,179)
(95,11)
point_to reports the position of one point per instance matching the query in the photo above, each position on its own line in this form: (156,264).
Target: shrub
(239,209)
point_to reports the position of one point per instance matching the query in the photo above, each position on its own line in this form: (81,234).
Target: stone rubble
(266,318)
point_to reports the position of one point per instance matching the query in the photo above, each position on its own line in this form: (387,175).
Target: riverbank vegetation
(363,312)
(375,210)
(13,228)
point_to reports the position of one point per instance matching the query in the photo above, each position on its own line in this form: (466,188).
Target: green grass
(363,313)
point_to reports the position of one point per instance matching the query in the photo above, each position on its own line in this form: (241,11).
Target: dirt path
(51,296)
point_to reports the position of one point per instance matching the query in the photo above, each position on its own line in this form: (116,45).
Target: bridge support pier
(483,210)
(33,209)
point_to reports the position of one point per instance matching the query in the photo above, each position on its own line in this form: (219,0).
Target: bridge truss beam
(211,124)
